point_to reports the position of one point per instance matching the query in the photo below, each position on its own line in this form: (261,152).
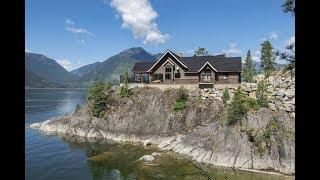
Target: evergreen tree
(248,69)
(289,6)
(125,90)
(225,95)
(267,57)
(201,52)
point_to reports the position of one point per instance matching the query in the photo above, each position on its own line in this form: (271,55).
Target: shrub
(179,105)
(238,107)
(182,94)
(125,90)
(181,102)
(99,98)
(262,94)
(252,104)
(225,95)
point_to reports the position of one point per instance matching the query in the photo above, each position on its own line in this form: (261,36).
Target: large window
(168,72)
(168,69)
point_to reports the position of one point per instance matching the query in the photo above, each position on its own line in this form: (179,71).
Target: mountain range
(41,71)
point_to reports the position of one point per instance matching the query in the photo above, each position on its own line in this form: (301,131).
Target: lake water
(56,157)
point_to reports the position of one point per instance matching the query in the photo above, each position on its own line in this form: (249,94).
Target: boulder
(272,106)
(252,94)
(155,154)
(147,158)
(289,93)
(258,78)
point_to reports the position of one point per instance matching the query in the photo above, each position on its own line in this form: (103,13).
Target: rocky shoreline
(195,132)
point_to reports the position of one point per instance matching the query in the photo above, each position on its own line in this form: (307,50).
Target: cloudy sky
(79,32)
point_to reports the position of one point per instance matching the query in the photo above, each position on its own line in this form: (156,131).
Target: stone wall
(281,91)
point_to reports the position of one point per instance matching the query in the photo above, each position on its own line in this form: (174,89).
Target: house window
(226,76)
(168,71)
(207,70)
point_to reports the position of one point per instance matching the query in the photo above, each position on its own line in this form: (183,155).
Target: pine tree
(267,57)
(248,69)
(200,52)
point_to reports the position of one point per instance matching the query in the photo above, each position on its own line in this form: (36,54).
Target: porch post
(140,77)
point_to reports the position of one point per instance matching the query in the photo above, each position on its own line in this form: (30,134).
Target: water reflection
(111,160)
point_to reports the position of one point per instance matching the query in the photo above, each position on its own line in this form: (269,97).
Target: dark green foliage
(179,105)
(272,126)
(252,104)
(181,102)
(182,94)
(262,94)
(248,69)
(125,90)
(267,58)
(77,108)
(288,55)
(201,52)
(225,95)
(289,6)
(237,109)
(99,98)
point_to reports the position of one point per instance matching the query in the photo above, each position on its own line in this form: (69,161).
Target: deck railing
(134,79)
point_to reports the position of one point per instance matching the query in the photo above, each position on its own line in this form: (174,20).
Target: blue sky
(79,32)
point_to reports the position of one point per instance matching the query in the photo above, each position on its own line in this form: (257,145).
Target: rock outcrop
(258,142)
(281,90)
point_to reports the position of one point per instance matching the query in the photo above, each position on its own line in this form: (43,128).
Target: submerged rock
(147,158)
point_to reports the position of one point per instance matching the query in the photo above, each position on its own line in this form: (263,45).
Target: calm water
(54,157)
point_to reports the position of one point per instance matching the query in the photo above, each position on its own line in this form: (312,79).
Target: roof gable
(219,63)
(207,63)
(176,57)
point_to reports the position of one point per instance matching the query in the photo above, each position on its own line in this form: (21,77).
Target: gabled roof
(178,58)
(219,63)
(142,66)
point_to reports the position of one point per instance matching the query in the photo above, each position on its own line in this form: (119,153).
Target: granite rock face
(196,131)
(281,89)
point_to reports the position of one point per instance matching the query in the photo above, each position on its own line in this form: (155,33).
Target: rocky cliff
(263,141)
(281,91)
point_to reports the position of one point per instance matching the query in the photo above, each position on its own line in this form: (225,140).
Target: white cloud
(70,26)
(232,50)
(65,63)
(79,31)
(291,40)
(139,17)
(273,35)
(26,50)
(69,22)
